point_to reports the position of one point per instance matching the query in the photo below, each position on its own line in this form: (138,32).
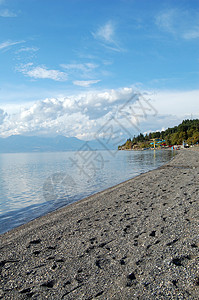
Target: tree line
(187,131)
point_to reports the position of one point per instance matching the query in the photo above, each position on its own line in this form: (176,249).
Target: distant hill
(19,143)
(187,131)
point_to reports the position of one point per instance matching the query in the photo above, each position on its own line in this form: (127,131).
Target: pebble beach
(136,240)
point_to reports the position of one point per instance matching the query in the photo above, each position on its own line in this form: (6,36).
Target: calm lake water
(32,184)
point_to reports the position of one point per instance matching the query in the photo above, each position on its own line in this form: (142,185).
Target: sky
(85,67)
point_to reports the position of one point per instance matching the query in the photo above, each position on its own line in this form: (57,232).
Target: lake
(33,184)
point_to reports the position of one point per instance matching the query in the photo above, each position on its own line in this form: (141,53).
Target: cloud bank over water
(84,114)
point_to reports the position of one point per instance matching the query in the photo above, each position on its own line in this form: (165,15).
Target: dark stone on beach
(131,276)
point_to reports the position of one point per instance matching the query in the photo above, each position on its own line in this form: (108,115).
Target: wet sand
(137,240)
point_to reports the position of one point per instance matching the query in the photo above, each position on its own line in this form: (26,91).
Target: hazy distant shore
(138,239)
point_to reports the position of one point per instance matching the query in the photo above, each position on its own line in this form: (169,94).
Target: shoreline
(23,215)
(25,225)
(138,239)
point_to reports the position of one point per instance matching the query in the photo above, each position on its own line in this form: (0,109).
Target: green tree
(182,137)
(175,138)
(168,140)
(190,132)
(196,137)
(128,144)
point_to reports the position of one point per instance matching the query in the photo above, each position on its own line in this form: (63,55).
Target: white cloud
(75,115)
(85,83)
(6,13)
(82,70)
(28,49)
(165,20)
(180,103)
(106,34)
(86,67)
(2,116)
(192,34)
(180,23)
(85,114)
(42,72)
(9,44)
(107,62)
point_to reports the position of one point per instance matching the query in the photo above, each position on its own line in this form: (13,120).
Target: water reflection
(32,184)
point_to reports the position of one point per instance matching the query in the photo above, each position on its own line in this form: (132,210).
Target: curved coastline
(138,239)
(37,203)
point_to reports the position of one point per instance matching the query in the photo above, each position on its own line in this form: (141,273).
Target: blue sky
(67,66)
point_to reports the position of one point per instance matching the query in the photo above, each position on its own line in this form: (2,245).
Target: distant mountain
(19,143)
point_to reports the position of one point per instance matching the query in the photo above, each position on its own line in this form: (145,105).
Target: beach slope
(137,240)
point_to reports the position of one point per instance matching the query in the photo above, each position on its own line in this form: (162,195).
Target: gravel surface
(137,240)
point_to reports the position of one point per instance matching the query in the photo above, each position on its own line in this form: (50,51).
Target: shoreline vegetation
(184,135)
(136,240)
